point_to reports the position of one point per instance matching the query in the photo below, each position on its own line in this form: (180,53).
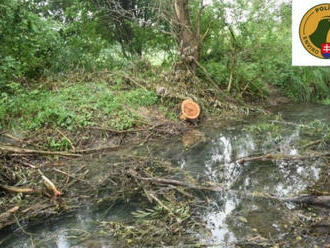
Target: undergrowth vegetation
(77,105)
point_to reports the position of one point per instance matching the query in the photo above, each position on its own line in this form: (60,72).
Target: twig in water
(69,175)
(21,228)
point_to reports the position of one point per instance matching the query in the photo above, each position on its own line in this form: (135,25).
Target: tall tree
(188,36)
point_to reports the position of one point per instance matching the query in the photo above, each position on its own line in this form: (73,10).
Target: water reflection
(231,217)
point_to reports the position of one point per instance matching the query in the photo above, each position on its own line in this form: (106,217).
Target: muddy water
(231,218)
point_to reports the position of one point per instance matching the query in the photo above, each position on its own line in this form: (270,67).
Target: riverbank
(74,117)
(164,187)
(53,131)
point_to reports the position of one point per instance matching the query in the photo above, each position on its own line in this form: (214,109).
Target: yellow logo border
(305,40)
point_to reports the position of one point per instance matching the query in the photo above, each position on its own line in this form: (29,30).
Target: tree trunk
(187,37)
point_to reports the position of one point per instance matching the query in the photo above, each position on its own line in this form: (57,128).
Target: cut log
(189,110)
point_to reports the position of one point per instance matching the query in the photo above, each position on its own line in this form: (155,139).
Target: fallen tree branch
(312,143)
(17,190)
(69,175)
(67,139)
(7,135)
(151,197)
(99,149)
(4,216)
(115,131)
(23,151)
(213,187)
(130,79)
(37,210)
(281,157)
(77,153)
(322,200)
(50,185)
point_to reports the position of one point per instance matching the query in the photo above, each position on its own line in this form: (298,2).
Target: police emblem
(315,31)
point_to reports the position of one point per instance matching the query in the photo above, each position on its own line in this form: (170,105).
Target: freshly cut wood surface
(190,110)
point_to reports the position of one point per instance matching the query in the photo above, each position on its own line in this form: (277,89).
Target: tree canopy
(243,45)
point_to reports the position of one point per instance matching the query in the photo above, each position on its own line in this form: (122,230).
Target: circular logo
(315,31)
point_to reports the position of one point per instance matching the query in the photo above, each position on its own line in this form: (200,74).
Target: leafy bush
(27,42)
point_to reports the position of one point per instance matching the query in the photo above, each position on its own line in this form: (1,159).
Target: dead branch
(50,185)
(23,151)
(99,149)
(127,77)
(214,187)
(312,143)
(18,140)
(67,139)
(322,200)
(17,190)
(151,196)
(4,216)
(115,131)
(7,135)
(36,210)
(70,175)
(281,157)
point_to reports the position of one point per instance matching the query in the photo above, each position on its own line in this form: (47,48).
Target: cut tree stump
(189,110)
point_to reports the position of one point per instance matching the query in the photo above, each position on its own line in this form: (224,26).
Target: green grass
(76,105)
